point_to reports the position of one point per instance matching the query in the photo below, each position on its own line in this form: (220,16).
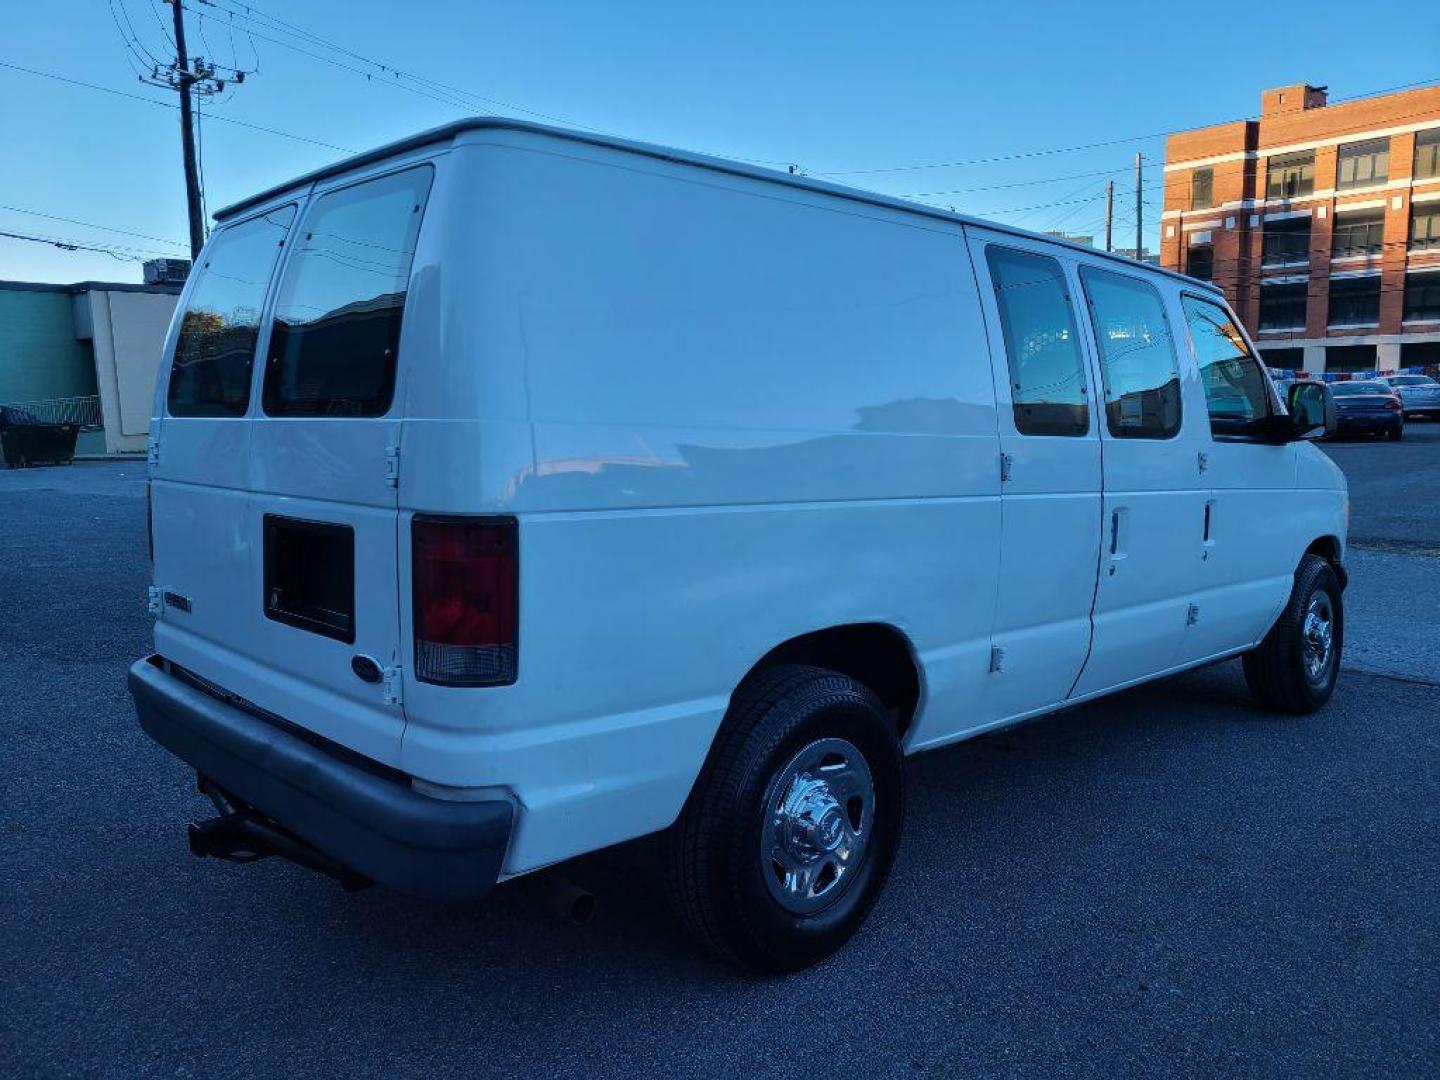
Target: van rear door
(310,626)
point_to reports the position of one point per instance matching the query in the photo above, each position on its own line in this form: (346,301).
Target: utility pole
(189,79)
(185,78)
(1109,212)
(1139,204)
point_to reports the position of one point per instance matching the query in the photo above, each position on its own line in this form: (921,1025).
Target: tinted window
(1360,232)
(1359,164)
(1422,298)
(1351,389)
(1046,381)
(1236,390)
(1202,189)
(1137,356)
(1425,227)
(1282,307)
(1291,175)
(1355,301)
(1285,241)
(215,351)
(1427,154)
(337,317)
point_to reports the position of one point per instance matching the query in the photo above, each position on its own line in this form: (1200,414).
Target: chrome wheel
(819,813)
(1317,637)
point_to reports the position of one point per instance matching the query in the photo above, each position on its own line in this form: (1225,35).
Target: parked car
(517,492)
(1419,394)
(1368,407)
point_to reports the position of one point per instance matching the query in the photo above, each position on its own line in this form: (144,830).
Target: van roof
(665,153)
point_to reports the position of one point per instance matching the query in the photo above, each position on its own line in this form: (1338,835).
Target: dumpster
(26,440)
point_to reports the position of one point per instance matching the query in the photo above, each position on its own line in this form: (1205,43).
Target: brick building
(1322,224)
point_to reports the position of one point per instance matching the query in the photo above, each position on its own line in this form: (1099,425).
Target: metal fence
(84,411)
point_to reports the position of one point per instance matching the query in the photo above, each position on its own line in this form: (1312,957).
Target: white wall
(129,336)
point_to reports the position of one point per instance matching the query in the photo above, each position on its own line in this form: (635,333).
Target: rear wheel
(1294,669)
(1397,433)
(789,835)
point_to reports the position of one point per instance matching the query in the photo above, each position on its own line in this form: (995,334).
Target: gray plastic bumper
(375,826)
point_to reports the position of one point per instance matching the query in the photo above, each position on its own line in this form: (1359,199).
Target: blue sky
(834,88)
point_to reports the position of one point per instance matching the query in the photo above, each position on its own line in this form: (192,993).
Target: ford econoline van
(516,492)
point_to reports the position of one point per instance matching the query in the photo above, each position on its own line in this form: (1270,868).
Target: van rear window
(337,317)
(215,351)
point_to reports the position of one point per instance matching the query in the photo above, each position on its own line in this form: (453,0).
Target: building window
(1427,154)
(1282,307)
(1286,359)
(1286,242)
(1359,232)
(1362,164)
(1200,256)
(1291,176)
(1202,189)
(1425,227)
(1422,297)
(1355,301)
(1350,358)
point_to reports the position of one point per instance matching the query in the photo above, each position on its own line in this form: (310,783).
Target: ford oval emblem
(366,667)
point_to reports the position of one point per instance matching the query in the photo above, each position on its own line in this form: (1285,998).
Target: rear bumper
(371,824)
(1371,421)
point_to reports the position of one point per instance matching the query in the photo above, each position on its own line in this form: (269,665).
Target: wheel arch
(877,654)
(1331,550)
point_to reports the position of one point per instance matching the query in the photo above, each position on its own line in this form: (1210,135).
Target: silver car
(1419,394)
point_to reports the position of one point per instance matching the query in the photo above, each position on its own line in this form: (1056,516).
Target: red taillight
(466,575)
(150,520)
(1392,403)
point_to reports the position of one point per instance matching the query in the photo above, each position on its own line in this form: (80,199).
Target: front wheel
(1294,669)
(788,837)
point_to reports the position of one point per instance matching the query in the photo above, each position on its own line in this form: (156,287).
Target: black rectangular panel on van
(310,576)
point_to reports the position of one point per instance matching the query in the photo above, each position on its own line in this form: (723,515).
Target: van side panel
(726,413)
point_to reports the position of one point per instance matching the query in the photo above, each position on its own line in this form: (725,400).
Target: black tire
(717,866)
(1397,434)
(1276,670)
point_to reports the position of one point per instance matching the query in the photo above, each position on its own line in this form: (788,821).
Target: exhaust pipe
(563,898)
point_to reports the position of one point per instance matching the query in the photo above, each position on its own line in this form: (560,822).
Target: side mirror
(1312,410)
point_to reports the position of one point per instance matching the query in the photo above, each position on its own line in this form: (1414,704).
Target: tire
(1283,671)
(1397,434)
(745,881)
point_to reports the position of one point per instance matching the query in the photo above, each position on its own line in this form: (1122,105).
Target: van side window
(1137,355)
(337,316)
(1047,382)
(215,351)
(1237,390)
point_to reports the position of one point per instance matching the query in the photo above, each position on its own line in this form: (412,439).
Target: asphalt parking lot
(1165,883)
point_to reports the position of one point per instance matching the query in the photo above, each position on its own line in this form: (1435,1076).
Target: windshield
(1348,388)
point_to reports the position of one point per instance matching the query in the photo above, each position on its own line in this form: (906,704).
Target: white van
(516,492)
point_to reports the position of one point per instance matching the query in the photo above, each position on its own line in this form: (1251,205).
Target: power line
(116,251)
(444,93)
(1048,151)
(91,225)
(169,105)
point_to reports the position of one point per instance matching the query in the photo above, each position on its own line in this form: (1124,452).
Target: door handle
(1119,520)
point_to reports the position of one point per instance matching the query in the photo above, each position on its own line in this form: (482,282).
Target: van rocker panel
(388,833)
